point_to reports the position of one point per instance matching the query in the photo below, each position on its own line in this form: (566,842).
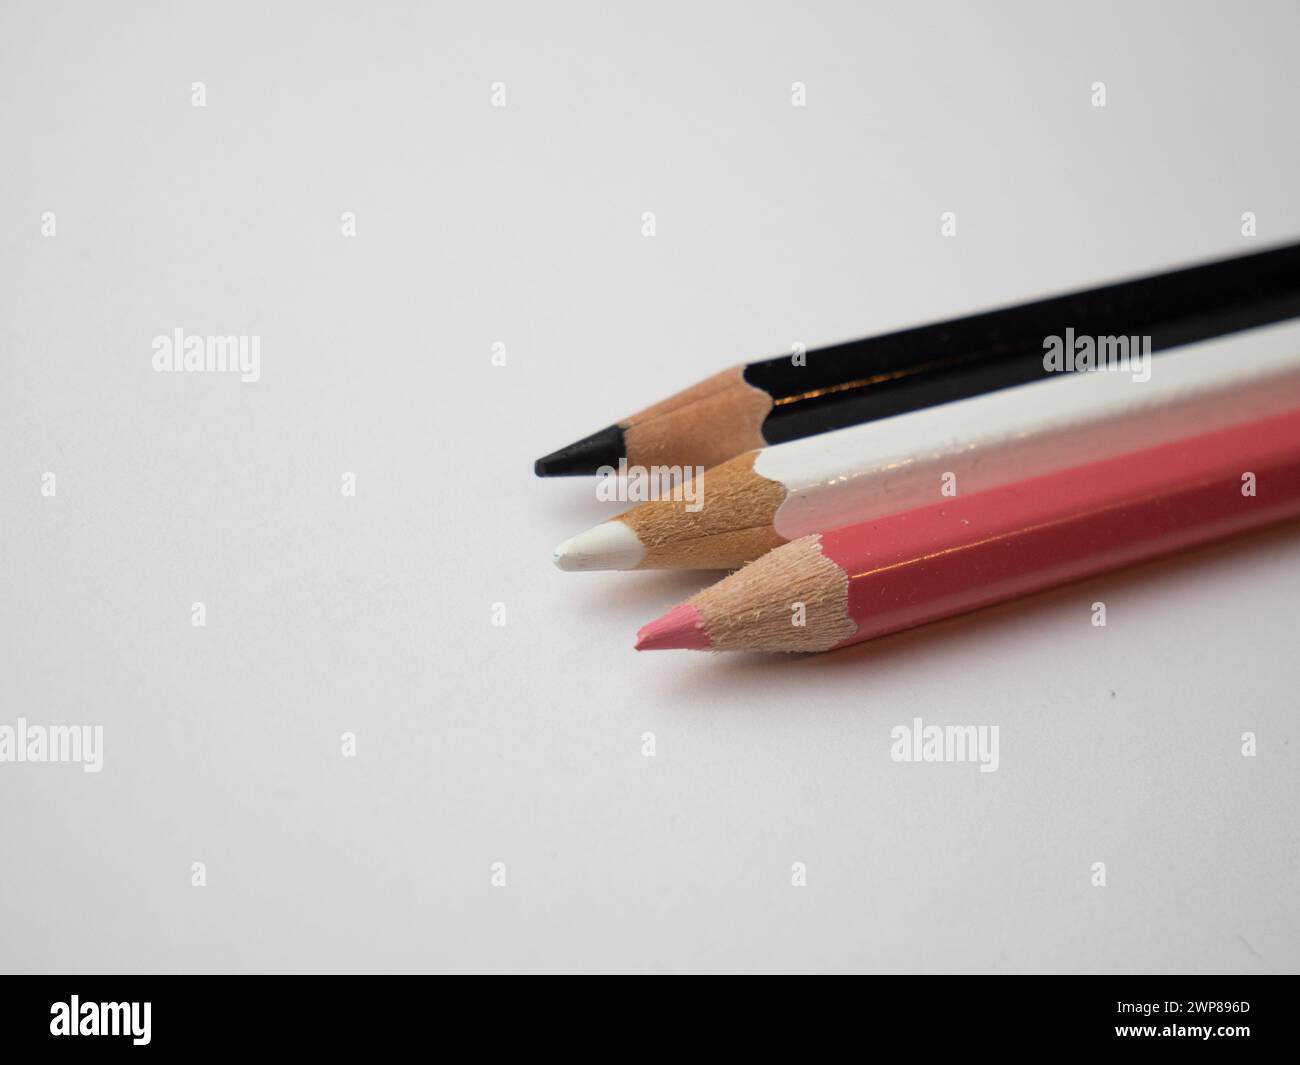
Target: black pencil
(780,399)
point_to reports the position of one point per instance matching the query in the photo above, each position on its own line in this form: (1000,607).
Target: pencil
(832,589)
(765,498)
(776,400)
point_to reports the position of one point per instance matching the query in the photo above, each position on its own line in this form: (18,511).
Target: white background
(371,614)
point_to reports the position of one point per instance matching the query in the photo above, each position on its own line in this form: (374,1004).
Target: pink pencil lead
(680,628)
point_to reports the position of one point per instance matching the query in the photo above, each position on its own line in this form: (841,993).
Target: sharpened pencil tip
(681,628)
(584,456)
(609,545)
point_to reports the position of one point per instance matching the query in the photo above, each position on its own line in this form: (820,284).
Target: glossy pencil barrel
(943,560)
(886,375)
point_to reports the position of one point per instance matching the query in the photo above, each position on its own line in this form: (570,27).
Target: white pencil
(767,497)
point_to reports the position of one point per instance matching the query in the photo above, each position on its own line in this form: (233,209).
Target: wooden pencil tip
(681,628)
(584,456)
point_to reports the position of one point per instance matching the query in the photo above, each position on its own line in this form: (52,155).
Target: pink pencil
(837,588)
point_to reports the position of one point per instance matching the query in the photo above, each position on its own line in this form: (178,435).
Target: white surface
(522,743)
(900,463)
